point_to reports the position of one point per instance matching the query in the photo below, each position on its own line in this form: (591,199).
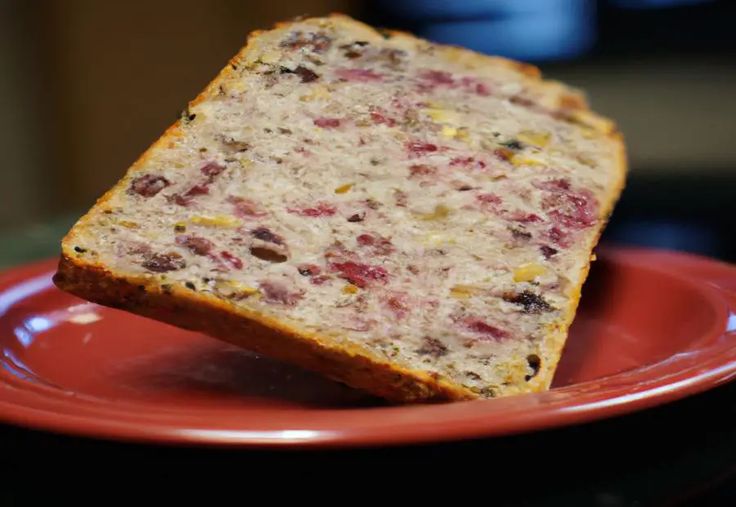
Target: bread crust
(347,363)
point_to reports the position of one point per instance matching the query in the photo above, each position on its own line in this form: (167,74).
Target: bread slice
(412,219)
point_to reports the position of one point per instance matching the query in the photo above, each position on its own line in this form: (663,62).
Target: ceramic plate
(652,327)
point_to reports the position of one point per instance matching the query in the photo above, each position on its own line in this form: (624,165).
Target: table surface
(678,454)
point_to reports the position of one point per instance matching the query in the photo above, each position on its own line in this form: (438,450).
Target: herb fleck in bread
(412,219)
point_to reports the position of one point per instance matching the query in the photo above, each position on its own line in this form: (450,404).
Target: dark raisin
(284,131)
(265,234)
(519,234)
(307,75)
(513,144)
(161,263)
(195,244)
(535,364)
(190,286)
(187,116)
(531,303)
(148,185)
(79,249)
(267,254)
(472,375)
(464,188)
(547,251)
(432,347)
(357,217)
(180,228)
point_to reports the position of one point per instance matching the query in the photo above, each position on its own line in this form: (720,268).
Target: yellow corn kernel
(449,131)
(538,139)
(436,114)
(440,212)
(216,221)
(235,288)
(528,272)
(318,92)
(270,56)
(462,134)
(523,160)
(350,289)
(463,291)
(128,224)
(343,189)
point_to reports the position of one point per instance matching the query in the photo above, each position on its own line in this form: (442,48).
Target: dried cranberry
(265,234)
(327,123)
(379,245)
(201,189)
(437,77)
(161,263)
(317,42)
(547,251)
(467,162)
(482,90)
(179,199)
(525,218)
(575,209)
(558,236)
(482,328)
(231,259)
(148,185)
(319,280)
(195,244)
(308,269)
(422,170)
(307,75)
(245,208)
(277,292)
(554,185)
(472,84)
(360,274)
(379,117)
(212,169)
(321,209)
(358,75)
(398,305)
(489,201)
(420,148)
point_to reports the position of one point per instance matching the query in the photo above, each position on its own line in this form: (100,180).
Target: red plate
(653,327)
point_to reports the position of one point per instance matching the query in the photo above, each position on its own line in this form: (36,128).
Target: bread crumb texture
(433,209)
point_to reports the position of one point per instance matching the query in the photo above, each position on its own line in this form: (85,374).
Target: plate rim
(469,421)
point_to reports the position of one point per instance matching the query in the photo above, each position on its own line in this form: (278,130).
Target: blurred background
(87,85)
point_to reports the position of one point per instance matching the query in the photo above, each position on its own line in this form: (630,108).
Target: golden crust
(349,364)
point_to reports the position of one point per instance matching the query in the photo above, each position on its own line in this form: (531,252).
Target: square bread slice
(411,219)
